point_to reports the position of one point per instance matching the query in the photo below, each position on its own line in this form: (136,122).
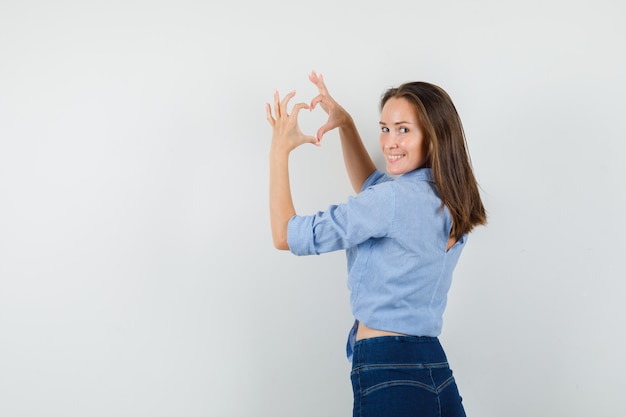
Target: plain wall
(137,273)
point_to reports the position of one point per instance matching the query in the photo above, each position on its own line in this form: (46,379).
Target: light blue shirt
(395,233)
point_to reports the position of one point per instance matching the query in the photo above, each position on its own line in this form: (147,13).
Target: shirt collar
(419,174)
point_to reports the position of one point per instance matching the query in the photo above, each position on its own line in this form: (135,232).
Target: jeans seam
(430,372)
(400,366)
(360,390)
(445,384)
(360,396)
(397,382)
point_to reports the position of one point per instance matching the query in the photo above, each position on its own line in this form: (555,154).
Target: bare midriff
(364,332)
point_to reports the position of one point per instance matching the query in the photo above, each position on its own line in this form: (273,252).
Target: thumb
(322,130)
(320,133)
(308,139)
(315,140)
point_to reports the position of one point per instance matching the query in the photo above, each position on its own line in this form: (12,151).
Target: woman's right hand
(337,115)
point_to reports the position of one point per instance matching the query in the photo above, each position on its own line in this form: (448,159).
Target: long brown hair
(448,155)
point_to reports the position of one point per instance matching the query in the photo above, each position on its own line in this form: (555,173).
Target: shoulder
(377,177)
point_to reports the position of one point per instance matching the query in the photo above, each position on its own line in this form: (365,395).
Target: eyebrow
(396,123)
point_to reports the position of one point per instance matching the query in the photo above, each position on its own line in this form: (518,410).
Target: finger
(318,80)
(315,101)
(297,107)
(285,101)
(268,112)
(276,104)
(320,100)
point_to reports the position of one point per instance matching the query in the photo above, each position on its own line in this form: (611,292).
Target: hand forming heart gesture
(286,133)
(337,115)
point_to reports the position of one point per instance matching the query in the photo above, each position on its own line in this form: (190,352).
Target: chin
(395,171)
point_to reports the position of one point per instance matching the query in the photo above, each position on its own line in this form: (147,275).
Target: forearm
(359,164)
(281,202)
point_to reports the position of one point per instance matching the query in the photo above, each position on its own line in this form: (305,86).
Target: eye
(384,129)
(404,130)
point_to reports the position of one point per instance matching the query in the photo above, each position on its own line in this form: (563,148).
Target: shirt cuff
(300,235)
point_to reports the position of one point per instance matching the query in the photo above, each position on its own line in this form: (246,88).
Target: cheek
(420,148)
(381,142)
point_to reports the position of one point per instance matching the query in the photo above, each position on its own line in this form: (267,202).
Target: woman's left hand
(286,133)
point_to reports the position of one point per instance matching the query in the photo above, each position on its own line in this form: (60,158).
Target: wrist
(347,124)
(279,151)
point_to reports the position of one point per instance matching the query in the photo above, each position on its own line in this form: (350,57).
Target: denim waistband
(398,349)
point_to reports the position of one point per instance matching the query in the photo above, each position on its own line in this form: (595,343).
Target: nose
(390,141)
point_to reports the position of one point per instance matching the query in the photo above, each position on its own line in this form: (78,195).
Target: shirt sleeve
(376,177)
(370,214)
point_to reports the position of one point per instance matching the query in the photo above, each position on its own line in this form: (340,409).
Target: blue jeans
(398,376)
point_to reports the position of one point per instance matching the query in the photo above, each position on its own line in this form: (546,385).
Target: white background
(137,274)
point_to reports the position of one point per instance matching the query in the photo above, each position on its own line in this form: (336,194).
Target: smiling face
(401,137)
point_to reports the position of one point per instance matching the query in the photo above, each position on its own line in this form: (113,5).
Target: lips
(394,158)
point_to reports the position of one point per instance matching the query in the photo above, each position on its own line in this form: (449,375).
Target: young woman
(403,233)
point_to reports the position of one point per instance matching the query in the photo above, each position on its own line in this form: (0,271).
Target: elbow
(280,241)
(281,244)
(279,235)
